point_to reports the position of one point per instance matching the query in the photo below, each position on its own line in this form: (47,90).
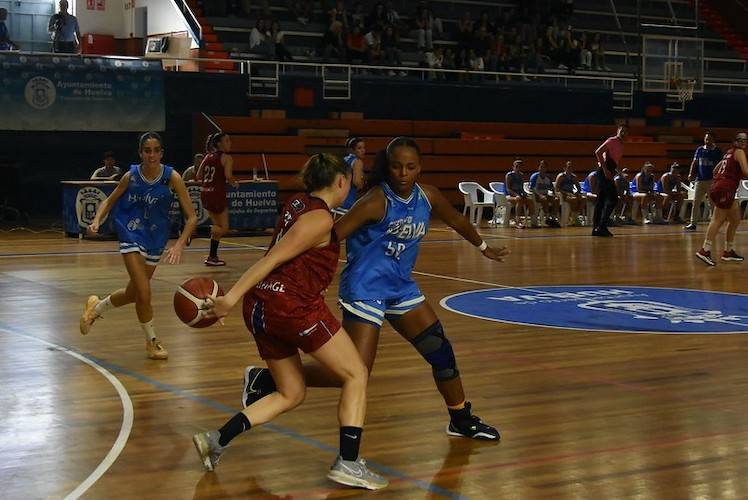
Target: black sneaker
(605,233)
(472,427)
(690,227)
(258,383)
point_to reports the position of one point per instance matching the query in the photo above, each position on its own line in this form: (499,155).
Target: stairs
(211,47)
(712,17)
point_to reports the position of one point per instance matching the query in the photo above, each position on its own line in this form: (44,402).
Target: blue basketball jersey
(381,256)
(141,215)
(353,193)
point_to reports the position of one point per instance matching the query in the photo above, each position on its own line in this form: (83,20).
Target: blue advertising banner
(254,205)
(57,92)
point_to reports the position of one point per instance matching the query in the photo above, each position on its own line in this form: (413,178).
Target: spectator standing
(66,34)
(701,173)
(5,41)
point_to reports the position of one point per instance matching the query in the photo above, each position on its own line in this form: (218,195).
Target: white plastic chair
(742,195)
(474,202)
(501,205)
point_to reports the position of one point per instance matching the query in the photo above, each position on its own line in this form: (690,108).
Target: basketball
(189,300)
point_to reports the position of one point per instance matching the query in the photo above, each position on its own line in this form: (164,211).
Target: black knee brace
(437,351)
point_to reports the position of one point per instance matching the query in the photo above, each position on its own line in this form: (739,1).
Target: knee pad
(437,351)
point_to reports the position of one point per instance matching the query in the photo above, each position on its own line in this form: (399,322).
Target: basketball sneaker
(472,427)
(706,256)
(208,448)
(356,473)
(89,314)
(690,227)
(731,256)
(155,350)
(258,383)
(214,262)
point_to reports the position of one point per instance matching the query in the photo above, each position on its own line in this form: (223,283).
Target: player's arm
(369,208)
(200,170)
(507,185)
(557,182)
(454,219)
(107,204)
(310,230)
(692,170)
(739,156)
(228,169)
(174,254)
(603,148)
(358,174)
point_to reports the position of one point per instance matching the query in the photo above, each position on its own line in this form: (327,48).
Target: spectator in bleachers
(502,50)
(450,62)
(567,8)
(625,199)
(672,193)
(701,172)
(392,53)
(535,59)
(376,53)
(356,45)
(475,61)
(598,53)
(377,17)
(569,50)
(568,187)
(552,44)
(5,41)
(190,172)
(260,40)
(541,186)
(482,41)
(585,54)
(279,40)
(110,171)
(462,62)
(392,18)
(464,29)
(646,194)
(423,30)
(340,14)
(301,10)
(333,48)
(435,61)
(358,18)
(514,184)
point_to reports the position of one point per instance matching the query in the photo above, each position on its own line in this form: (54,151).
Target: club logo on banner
(40,92)
(608,308)
(87,203)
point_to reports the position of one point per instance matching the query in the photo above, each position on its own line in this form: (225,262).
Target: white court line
(127,417)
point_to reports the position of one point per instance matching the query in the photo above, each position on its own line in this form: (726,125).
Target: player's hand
(174,254)
(93,229)
(497,254)
(217,307)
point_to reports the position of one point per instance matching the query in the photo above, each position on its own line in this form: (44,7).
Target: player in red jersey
(214,172)
(727,176)
(285,310)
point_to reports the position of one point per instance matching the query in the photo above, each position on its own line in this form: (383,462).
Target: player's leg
(219,228)
(424,331)
(140,277)
(733,221)
(719,215)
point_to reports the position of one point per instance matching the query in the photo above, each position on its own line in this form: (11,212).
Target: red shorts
(213,201)
(280,327)
(722,196)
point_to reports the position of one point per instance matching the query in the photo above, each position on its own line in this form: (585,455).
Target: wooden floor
(583,414)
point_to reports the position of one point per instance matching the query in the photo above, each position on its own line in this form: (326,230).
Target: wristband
(483,246)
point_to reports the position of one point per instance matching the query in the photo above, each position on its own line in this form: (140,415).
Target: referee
(608,156)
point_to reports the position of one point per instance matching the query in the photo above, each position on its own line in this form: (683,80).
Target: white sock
(707,246)
(729,245)
(104,305)
(150,332)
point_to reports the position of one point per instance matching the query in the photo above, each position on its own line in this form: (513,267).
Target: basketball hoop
(685,90)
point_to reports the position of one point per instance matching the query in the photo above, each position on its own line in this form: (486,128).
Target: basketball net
(685,90)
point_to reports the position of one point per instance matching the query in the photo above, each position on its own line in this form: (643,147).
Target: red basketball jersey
(307,275)
(728,172)
(214,177)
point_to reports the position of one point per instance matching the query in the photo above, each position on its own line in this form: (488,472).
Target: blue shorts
(152,255)
(376,311)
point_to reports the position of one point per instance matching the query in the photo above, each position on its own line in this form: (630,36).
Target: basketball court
(653,409)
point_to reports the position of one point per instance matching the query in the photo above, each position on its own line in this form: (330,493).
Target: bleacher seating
(447,158)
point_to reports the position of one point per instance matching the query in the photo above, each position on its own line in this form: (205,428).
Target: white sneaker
(206,444)
(357,474)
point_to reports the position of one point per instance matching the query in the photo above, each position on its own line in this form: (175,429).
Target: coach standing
(608,156)
(66,34)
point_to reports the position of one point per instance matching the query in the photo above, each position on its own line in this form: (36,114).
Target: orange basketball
(189,301)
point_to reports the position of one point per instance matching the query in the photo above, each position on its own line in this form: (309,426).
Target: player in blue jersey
(383,231)
(141,205)
(355,161)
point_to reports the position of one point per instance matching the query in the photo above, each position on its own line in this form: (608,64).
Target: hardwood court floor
(583,414)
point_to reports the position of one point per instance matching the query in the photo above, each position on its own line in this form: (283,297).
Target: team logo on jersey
(608,308)
(133,224)
(40,92)
(87,203)
(297,205)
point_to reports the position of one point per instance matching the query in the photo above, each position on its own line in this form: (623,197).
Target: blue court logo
(608,308)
